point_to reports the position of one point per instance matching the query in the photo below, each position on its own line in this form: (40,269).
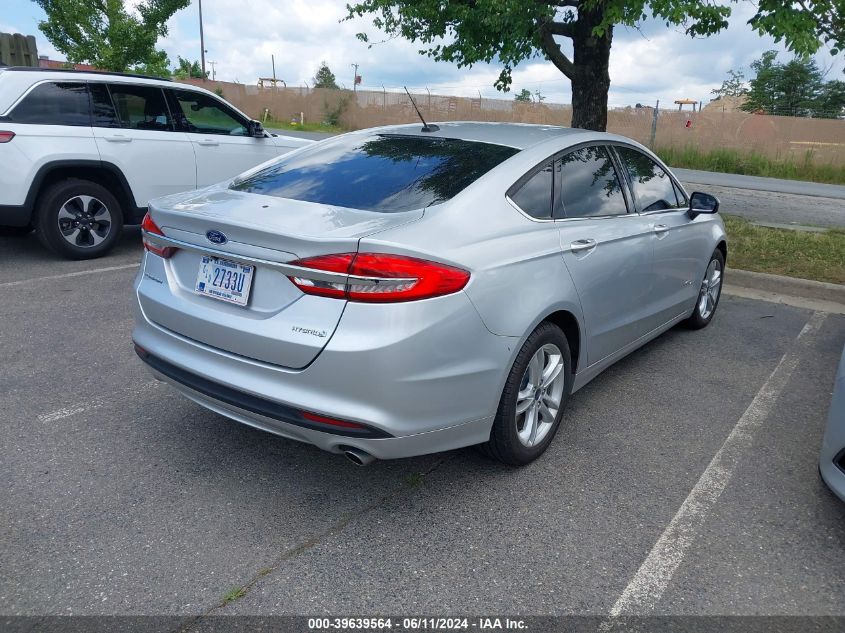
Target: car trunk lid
(279,324)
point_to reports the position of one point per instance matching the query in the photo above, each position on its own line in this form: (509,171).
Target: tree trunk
(591,75)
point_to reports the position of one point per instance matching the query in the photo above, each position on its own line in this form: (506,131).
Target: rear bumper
(423,378)
(453,437)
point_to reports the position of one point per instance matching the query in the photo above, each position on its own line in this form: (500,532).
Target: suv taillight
(379,277)
(6,136)
(148,226)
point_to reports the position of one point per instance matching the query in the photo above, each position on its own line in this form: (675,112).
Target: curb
(792,286)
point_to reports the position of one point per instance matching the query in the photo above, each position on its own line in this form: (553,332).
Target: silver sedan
(399,291)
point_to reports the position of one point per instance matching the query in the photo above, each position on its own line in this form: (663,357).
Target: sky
(650,63)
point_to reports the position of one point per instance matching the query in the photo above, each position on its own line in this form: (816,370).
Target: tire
(78,219)
(510,430)
(15,231)
(705,309)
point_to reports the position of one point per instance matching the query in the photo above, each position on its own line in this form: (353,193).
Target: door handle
(582,245)
(118,138)
(661,228)
(208,142)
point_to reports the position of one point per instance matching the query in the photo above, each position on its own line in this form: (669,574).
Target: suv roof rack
(87,72)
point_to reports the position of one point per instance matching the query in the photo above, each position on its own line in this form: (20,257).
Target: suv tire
(78,219)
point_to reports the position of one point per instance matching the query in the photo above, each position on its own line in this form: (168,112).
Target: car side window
(534,196)
(653,187)
(589,184)
(54,103)
(103,113)
(203,114)
(141,107)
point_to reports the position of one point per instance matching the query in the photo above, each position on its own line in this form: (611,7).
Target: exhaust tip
(358,457)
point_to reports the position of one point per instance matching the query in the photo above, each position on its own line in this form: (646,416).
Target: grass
(235,593)
(733,161)
(818,256)
(307,127)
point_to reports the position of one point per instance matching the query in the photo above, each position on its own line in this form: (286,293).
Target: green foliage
(158,65)
(523,95)
(324,78)
(796,88)
(333,113)
(219,92)
(466,32)
(733,86)
(818,256)
(731,161)
(186,69)
(106,34)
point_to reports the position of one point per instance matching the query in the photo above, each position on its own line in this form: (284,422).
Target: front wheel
(78,219)
(709,294)
(533,400)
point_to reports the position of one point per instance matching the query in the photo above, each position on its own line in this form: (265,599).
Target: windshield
(385,172)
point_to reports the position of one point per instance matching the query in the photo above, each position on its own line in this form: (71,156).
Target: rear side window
(141,107)
(653,188)
(589,184)
(388,173)
(534,197)
(54,104)
(102,108)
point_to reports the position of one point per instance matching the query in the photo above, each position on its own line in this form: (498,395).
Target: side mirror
(703,203)
(255,129)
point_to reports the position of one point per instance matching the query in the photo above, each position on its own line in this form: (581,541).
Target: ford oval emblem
(216,237)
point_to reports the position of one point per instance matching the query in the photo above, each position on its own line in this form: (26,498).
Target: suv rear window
(388,173)
(52,103)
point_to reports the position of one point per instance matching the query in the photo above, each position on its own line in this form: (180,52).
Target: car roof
(518,135)
(73,71)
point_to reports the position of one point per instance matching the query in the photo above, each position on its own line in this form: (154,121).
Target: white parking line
(649,583)
(78,273)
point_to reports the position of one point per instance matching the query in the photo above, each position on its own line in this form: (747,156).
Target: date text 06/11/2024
(415,623)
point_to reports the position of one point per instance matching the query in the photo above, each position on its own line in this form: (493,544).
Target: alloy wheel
(540,395)
(84,221)
(710,288)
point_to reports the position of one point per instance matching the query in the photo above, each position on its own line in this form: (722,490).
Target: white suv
(81,153)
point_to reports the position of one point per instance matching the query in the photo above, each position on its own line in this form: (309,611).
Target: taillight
(379,278)
(148,226)
(5,136)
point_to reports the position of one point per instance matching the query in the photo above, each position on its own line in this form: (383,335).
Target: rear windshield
(386,172)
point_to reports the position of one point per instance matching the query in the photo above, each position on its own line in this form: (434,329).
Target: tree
(324,78)
(104,33)
(158,65)
(796,88)
(466,32)
(523,95)
(733,86)
(186,69)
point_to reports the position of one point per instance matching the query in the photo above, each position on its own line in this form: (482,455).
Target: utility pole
(202,41)
(213,70)
(355,78)
(273,61)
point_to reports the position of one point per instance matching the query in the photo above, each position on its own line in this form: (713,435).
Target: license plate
(224,280)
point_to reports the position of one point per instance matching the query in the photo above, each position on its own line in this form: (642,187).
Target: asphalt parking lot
(683,482)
